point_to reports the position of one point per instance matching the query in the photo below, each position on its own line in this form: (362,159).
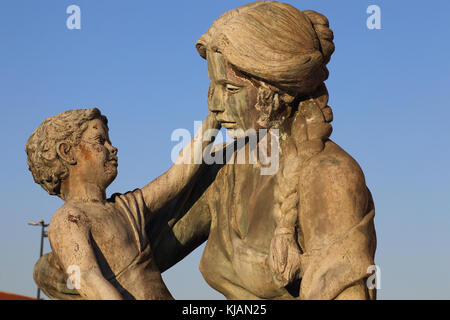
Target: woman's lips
(228,124)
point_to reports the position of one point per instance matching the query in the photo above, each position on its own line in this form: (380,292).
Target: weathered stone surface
(100,242)
(305,232)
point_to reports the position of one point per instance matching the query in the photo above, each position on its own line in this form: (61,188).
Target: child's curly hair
(47,167)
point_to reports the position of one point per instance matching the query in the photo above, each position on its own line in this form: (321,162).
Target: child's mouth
(114,162)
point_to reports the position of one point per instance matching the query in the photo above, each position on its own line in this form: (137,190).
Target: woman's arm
(184,223)
(336,222)
(167,186)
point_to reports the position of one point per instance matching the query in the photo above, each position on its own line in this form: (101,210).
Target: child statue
(70,155)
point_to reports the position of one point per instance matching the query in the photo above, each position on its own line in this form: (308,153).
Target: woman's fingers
(311,111)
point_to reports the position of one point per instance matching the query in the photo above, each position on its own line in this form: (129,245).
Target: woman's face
(231,96)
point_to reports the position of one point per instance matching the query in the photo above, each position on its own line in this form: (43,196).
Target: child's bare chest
(113,239)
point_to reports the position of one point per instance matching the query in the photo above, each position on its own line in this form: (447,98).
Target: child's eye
(101,140)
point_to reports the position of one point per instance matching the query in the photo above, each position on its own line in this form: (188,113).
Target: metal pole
(41,252)
(42,239)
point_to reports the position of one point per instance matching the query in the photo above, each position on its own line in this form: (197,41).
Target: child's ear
(66,152)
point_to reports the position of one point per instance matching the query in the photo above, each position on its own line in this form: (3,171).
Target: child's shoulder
(68,218)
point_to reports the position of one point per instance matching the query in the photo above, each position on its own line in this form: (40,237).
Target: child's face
(96,158)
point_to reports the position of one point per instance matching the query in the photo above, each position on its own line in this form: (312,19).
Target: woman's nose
(215,100)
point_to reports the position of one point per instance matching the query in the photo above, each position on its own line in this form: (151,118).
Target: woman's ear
(66,152)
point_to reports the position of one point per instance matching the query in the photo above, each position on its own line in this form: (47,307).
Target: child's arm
(168,185)
(70,241)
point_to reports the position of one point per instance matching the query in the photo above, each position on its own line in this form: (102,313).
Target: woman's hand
(168,185)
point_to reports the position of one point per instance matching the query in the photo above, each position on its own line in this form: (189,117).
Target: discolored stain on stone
(73,218)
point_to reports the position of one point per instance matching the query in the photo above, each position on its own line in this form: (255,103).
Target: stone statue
(70,155)
(305,232)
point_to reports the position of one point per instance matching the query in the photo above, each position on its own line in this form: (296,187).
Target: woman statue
(305,232)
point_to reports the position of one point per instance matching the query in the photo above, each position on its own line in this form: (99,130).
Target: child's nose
(114,150)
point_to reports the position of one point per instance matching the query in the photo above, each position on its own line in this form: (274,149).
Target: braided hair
(309,130)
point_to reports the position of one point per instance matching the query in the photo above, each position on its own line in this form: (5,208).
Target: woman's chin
(238,133)
(232,133)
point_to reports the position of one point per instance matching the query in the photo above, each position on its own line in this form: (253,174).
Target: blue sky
(137,62)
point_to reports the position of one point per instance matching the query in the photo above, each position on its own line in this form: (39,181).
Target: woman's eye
(231,88)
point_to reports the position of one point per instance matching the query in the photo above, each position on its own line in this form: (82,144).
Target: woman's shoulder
(332,164)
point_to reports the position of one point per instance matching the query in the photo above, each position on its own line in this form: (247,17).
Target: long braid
(309,130)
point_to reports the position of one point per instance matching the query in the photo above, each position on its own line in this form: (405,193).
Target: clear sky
(137,62)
